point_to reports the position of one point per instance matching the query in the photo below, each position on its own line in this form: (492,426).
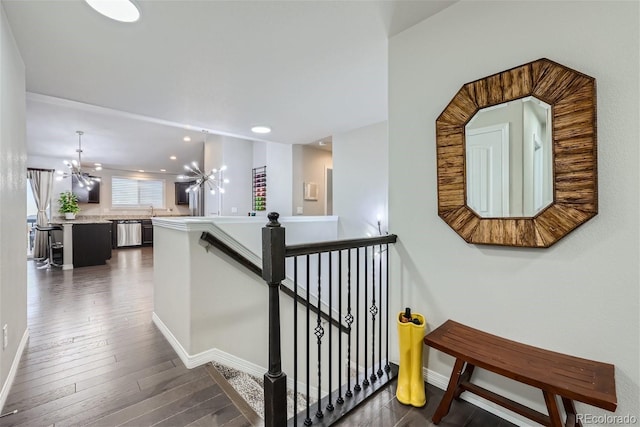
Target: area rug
(251,389)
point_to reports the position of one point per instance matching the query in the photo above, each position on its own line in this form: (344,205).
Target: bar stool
(55,247)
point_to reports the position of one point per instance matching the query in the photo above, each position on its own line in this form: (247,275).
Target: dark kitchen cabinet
(94,194)
(84,195)
(182,197)
(91,244)
(147,232)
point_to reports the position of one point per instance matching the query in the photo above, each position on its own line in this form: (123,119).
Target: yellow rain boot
(416,380)
(403,390)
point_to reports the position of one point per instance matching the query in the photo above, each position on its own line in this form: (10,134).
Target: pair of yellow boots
(410,390)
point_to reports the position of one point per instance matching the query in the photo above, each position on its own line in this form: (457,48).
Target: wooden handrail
(242,260)
(228,250)
(337,245)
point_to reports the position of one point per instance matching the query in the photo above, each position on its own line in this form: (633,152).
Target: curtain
(41,182)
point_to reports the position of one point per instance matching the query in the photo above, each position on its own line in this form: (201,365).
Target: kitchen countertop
(100,219)
(59,221)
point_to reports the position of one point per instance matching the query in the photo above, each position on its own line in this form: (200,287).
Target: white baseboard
(216,355)
(190,361)
(6,387)
(440,381)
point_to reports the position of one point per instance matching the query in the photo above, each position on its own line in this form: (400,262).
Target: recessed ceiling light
(261,129)
(186,139)
(163,170)
(173,157)
(118,10)
(140,170)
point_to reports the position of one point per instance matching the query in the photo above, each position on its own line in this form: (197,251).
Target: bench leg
(552,407)
(465,377)
(449,394)
(570,409)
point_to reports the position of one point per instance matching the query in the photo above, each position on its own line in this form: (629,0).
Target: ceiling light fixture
(261,129)
(172,157)
(214,180)
(187,139)
(75,168)
(118,10)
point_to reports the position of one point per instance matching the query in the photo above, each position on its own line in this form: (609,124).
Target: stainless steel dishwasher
(129,233)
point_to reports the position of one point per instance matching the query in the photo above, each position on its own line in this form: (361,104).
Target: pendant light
(75,168)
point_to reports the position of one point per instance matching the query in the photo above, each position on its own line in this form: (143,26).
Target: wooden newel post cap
(273,219)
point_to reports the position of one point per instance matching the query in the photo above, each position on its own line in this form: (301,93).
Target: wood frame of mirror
(572,96)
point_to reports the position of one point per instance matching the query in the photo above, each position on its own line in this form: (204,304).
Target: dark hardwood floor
(384,410)
(94,358)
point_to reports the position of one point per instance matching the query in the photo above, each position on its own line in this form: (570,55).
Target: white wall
(360,184)
(310,165)
(238,157)
(13,209)
(259,154)
(279,178)
(581,295)
(213,158)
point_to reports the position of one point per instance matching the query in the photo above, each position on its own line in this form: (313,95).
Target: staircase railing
(363,265)
(210,240)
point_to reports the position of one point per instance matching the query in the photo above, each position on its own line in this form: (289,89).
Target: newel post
(273,272)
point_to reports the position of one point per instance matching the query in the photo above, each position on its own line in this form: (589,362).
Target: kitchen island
(85,242)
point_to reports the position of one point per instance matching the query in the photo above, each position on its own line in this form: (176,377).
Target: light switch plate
(299,210)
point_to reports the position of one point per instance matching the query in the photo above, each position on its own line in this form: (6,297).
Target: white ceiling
(308,69)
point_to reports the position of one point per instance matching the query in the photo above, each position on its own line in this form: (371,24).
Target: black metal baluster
(340,400)
(374,311)
(319,332)
(307,420)
(365,382)
(349,320)
(330,404)
(357,386)
(386,366)
(295,341)
(380,372)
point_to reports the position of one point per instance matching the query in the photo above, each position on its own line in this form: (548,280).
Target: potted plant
(68,204)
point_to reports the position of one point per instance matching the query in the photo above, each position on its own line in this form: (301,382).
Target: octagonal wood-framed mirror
(571,96)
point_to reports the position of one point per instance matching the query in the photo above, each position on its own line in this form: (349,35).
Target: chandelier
(214,180)
(75,169)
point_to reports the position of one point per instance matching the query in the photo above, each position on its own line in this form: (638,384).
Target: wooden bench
(556,374)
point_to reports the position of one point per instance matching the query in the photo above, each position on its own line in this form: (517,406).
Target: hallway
(95,358)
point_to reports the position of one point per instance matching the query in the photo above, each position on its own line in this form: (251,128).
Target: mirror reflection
(509,159)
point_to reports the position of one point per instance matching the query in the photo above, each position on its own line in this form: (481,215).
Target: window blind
(131,192)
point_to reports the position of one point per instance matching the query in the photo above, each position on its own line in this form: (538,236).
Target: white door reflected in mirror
(509,159)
